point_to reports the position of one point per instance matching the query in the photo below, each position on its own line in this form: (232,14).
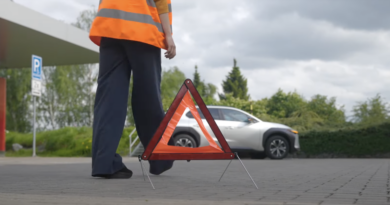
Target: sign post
(3,103)
(36,82)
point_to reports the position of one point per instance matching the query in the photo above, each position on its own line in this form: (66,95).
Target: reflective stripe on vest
(136,20)
(129,16)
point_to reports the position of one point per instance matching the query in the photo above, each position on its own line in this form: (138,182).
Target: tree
(304,119)
(171,82)
(65,100)
(256,108)
(199,85)
(282,105)
(18,115)
(236,84)
(85,19)
(48,101)
(89,86)
(327,110)
(207,91)
(373,111)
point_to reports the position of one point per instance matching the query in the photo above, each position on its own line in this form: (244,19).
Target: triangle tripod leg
(247,171)
(225,170)
(142,167)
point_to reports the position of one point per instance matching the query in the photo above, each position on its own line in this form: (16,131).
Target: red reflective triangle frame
(148,153)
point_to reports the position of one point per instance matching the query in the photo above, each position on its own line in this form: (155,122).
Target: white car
(242,131)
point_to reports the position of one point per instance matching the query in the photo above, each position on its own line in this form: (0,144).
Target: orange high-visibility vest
(136,20)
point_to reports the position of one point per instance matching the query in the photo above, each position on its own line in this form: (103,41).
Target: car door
(217,117)
(238,130)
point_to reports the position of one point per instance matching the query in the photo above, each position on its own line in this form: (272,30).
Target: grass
(65,142)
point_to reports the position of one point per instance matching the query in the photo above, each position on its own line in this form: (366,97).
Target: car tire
(277,147)
(184,140)
(258,155)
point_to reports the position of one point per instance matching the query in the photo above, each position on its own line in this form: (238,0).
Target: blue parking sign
(36,67)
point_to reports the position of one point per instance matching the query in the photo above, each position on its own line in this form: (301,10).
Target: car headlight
(294,131)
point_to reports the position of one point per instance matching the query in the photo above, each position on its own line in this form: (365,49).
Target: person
(131,34)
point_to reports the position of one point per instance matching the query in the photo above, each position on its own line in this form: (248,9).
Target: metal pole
(131,141)
(247,171)
(225,170)
(148,177)
(34,130)
(3,104)
(142,167)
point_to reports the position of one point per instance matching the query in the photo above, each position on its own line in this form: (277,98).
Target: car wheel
(184,140)
(277,147)
(258,155)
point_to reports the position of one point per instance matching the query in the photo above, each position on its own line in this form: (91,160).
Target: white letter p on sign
(36,65)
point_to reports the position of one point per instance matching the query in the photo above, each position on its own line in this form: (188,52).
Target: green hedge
(66,142)
(372,141)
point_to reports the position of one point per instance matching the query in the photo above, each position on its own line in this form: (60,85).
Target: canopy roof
(24,32)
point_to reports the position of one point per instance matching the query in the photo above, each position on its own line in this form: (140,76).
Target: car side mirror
(250,120)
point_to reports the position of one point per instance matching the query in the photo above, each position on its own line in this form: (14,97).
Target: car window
(189,114)
(233,115)
(214,113)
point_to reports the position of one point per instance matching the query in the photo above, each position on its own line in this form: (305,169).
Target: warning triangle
(158,148)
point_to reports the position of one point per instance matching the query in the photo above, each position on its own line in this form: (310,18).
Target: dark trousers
(118,58)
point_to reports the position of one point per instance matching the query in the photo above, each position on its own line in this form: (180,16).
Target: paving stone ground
(290,181)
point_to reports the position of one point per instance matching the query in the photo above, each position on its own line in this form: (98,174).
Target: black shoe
(124,173)
(157,167)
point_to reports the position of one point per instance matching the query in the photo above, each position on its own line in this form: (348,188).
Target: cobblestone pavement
(289,181)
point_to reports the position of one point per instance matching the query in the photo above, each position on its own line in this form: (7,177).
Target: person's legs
(148,112)
(110,107)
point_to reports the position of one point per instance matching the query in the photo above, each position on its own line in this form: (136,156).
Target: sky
(335,48)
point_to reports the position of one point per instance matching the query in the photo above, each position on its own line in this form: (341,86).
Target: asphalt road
(290,181)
